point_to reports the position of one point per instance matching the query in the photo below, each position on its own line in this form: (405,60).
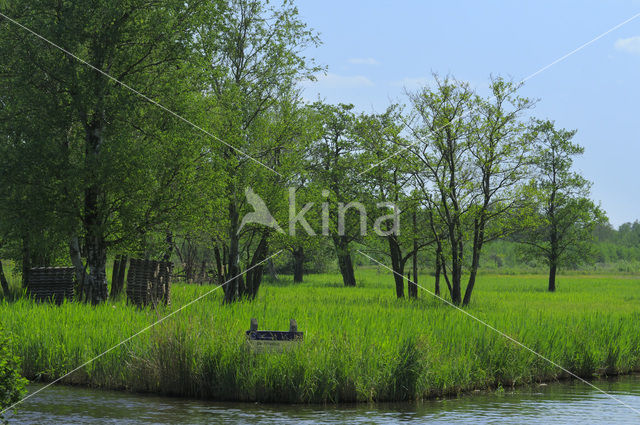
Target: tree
(300,242)
(255,60)
(442,147)
(566,217)
(32,235)
(333,161)
(500,148)
(379,135)
(473,157)
(116,164)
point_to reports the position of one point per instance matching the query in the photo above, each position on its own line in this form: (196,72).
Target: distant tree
(629,234)
(301,237)
(296,239)
(564,224)
(604,232)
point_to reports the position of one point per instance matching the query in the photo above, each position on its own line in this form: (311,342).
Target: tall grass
(361,344)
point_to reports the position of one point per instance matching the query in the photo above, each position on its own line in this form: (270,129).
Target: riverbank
(566,403)
(361,344)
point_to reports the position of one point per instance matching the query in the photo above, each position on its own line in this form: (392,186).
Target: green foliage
(253,53)
(564,220)
(332,165)
(12,384)
(472,157)
(85,160)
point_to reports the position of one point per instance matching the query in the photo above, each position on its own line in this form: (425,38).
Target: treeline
(619,247)
(612,250)
(195,122)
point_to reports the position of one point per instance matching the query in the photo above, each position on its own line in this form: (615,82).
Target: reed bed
(361,344)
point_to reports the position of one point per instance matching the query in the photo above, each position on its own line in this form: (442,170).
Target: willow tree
(111,163)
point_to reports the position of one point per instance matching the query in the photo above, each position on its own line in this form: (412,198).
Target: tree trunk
(344,261)
(188,259)
(255,269)
(202,278)
(76,260)
(472,279)
(26,261)
(272,270)
(3,281)
(119,272)
(456,264)
(478,240)
(298,264)
(455,237)
(114,276)
(346,269)
(412,286)
(553,268)
(231,289)
(456,279)
(97,288)
(553,259)
(169,252)
(438,271)
(220,267)
(553,237)
(123,270)
(412,289)
(397,266)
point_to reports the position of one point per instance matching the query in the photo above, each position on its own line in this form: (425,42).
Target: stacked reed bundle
(149,282)
(51,283)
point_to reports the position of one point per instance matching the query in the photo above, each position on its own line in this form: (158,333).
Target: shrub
(12,385)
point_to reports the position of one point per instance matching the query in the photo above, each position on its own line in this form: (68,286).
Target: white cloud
(335,81)
(363,61)
(629,45)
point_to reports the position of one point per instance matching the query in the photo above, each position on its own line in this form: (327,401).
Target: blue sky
(373,49)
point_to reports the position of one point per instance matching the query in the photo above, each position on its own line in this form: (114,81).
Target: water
(563,403)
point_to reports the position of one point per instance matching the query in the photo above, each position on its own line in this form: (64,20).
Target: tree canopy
(141,128)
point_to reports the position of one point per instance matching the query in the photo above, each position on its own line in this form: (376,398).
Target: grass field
(361,344)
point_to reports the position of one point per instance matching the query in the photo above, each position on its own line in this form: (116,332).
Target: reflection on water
(565,403)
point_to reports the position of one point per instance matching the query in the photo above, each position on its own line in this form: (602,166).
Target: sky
(374,50)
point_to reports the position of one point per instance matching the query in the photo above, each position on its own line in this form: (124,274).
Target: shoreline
(466,394)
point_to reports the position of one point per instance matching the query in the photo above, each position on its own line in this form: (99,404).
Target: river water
(559,403)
